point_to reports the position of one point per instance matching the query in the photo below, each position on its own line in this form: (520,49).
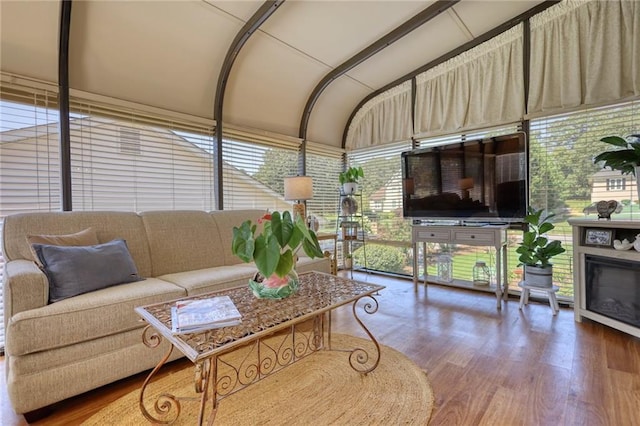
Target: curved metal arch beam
(418,20)
(63,104)
(455,52)
(258,18)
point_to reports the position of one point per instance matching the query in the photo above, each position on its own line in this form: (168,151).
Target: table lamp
(298,189)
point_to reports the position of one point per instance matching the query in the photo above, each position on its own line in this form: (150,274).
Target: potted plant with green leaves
(626,160)
(349,179)
(536,250)
(274,250)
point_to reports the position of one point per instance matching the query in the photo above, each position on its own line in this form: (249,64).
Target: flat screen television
(483,181)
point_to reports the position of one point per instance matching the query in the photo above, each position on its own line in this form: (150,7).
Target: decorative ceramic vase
(349,206)
(274,287)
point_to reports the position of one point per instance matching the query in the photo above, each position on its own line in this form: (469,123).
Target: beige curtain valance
(584,53)
(383,119)
(481,87)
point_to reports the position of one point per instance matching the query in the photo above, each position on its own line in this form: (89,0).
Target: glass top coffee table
(273,333)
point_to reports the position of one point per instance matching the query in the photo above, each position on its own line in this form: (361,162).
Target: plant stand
(551,293)
(350,229)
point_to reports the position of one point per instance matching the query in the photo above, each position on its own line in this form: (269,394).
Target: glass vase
(274,287)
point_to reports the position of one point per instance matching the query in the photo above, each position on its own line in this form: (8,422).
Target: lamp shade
(298,188)
(466,183)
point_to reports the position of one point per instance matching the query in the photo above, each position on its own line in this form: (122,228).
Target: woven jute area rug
(320,389)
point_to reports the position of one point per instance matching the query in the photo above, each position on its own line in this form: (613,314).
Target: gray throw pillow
(75,270)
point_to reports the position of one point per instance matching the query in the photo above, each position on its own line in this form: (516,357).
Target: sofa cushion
(87,316)
(182,241)
(219,278)
(86,237)
(107,225)
(212,279)
(226,220)
(319,264)
(76,270)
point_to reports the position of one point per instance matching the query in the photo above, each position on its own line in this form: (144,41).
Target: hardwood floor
(486,367)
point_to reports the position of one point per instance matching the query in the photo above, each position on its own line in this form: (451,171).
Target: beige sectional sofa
(61,349)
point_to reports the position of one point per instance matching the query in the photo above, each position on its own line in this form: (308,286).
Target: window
(618,184)
(388,234)
(564,180)
(324,165)
(127,159)
(253,174)
(29,156)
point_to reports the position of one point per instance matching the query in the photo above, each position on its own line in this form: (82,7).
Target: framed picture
(598,237)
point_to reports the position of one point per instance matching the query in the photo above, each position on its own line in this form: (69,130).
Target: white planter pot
(539,277)
(350,188)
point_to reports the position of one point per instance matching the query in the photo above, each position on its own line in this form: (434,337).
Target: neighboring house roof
(607,174)
(381,193)
(27,134)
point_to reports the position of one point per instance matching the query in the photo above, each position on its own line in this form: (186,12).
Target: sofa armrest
(25,287)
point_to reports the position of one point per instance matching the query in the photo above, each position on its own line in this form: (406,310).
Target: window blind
(29,155)
(1,294)
(324,165)
(388,234)
(563,178)
(254,172)
(127,159)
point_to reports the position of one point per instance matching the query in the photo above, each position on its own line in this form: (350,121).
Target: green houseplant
(626,160)
(349,179)
(536,250)
(274,250)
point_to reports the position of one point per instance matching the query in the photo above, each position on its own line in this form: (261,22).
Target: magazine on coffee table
(190,316)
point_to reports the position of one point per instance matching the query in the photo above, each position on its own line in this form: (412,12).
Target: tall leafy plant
(535,248)
(625,160)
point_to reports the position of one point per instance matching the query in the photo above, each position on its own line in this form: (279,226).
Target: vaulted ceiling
(168,54)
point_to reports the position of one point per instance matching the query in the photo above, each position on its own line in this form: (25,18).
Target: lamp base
(298,210)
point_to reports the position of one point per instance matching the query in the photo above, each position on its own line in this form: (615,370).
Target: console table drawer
(474,237)
(440,235)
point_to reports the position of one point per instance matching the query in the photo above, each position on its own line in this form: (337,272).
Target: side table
(551,293)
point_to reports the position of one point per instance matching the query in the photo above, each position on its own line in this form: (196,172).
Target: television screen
(481,180)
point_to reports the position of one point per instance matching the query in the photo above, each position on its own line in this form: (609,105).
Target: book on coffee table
(190,316)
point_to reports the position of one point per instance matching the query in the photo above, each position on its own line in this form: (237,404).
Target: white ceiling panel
(163,54)
(243,9)
(437,37)
(332,110)
(29,38)
(479,16)
(269,85)
(334,31)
